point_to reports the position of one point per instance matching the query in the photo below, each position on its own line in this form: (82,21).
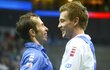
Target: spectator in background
(3,62)
(79,52)
(31,28)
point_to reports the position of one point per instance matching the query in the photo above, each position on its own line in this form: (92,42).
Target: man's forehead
(36,19)
(63,15)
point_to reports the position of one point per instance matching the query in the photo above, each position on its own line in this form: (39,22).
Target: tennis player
(79,51)
(31,28)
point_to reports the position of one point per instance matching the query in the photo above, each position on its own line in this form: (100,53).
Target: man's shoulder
(32,53)
(75,41)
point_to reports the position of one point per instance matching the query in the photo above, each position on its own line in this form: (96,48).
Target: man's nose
(59,25)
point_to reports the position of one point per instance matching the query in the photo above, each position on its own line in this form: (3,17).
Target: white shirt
(78,55)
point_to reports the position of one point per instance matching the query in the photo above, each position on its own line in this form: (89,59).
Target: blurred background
(11,46)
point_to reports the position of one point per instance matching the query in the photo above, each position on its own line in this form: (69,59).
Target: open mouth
(45,35)
(63,32)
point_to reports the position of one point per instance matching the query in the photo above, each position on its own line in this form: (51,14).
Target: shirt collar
(33,45)
(84,35)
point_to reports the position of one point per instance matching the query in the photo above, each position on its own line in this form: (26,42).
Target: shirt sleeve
(31,62)
(71,59)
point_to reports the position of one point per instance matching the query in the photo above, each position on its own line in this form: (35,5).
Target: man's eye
(62,21)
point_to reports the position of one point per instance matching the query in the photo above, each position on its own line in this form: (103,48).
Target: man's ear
(76,21)
(32,32)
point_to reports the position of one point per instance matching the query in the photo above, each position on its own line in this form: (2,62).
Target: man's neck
(77,32)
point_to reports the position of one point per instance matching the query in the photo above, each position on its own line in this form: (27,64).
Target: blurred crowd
(10,50)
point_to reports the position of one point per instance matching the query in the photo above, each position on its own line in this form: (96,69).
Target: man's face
(65,25)
(41,29)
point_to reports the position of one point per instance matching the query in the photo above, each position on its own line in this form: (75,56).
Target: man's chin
(64,36)
(45,40)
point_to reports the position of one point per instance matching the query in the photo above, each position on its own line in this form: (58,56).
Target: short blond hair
(76,9)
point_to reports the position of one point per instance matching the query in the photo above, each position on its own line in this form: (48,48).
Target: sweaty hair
(24,24)
(76,9)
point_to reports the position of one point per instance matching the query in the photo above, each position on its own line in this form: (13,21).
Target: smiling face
(65,25)
(40,29)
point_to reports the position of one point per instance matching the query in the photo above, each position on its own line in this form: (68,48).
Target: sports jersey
(79,54)
(35,58)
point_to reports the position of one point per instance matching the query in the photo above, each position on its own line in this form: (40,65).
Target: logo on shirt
(31,57)
(68,65)
(29,65)
(73,51)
